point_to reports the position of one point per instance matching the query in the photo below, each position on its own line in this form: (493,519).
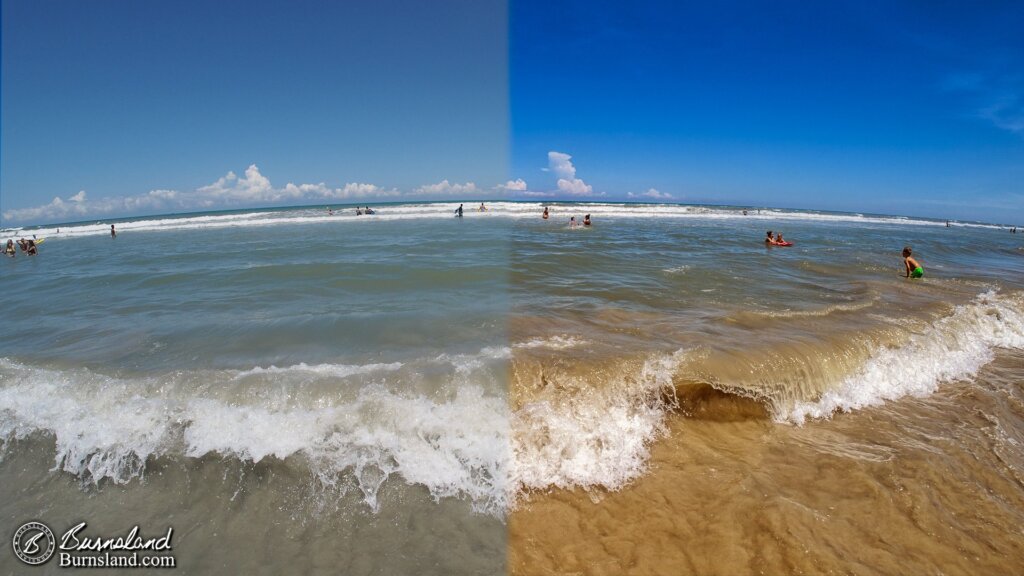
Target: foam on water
(599,439)
(460,442)
(951,349)
(107,428)
(519,210)
(463,444)
(562,342)
(336,370)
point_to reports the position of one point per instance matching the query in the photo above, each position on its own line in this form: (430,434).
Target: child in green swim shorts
(913,267)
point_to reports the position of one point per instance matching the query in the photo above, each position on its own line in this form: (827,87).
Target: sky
(118,107)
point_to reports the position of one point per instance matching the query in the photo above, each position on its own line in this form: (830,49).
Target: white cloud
(561,164)
(518,185)
(575,187)
(446,188)
(229,190)
(653,194)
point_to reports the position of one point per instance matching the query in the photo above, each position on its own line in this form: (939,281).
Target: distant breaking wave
(517,210)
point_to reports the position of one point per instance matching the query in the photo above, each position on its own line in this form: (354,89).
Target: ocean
(408,392)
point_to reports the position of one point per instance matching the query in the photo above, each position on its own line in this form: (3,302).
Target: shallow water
(413,392)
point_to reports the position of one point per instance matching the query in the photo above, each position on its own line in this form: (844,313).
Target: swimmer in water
(458,211)
(778,238)
(113,233)
(572,222)
(368,211)
(31,248)
(913,267)
(10,250)
(482,207)
(768,239)
(545,216)
(586,220)
(359,211)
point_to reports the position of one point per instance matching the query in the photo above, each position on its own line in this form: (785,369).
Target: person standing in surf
(458,211)
(913,267)
(113,233)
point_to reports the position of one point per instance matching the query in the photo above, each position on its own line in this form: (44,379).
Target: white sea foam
(953,348)
(599,211)
(562,342)
(335,370)
(595,439)
(462,444)
(107,428)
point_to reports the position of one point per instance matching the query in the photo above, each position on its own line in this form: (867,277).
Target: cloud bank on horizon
(253,189)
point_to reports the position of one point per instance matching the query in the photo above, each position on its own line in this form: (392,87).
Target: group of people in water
(27,246)
(572,219)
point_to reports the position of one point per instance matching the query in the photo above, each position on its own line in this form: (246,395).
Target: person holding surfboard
(458,211)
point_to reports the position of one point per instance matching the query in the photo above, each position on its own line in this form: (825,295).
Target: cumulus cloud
(517,185)
(653,194)
(229,190)
(561,165)
(446,188)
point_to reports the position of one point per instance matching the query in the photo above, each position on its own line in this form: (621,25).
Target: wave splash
(460,441)
(951,349)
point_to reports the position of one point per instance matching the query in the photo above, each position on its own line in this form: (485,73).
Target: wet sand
(920,485)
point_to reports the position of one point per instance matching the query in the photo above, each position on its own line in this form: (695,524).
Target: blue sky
(913,108)
(897,107)
(120,97)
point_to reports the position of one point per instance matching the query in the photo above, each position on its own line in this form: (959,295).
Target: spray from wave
(953,348)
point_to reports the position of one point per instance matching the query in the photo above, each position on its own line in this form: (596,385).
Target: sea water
(298,389)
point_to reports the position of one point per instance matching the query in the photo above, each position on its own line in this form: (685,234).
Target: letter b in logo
(34,543)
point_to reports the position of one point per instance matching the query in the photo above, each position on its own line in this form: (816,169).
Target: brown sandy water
(922,485)
(920,471)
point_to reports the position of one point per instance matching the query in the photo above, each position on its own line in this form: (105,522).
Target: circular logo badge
(34,543)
